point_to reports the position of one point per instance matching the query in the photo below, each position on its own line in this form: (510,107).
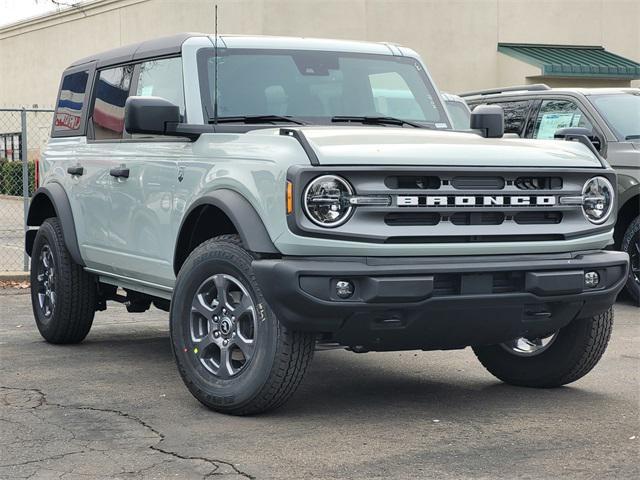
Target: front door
(141,223)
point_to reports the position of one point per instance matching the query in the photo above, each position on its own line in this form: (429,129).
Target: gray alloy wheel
(232,352)
(526,347)
(46,285)
(223,325)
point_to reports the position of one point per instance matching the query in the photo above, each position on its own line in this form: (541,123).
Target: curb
(14,276)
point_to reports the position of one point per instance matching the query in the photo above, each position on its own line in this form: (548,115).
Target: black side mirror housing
(150,115)
(489,119)
(575,133)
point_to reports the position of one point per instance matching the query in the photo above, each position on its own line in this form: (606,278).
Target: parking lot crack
(35,399)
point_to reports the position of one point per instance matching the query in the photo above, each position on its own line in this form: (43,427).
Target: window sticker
(551,122)
(147,91)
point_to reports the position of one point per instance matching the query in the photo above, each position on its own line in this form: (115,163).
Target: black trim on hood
(300,137)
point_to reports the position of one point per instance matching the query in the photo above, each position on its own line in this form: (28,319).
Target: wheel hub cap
(46,282)
(222,326)
(529,347)
(226,325)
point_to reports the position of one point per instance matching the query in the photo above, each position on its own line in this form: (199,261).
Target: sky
(12,11)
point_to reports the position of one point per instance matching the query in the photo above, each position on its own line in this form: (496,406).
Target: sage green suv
(280,194)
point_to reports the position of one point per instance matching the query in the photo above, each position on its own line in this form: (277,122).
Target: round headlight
(597,199)
(326,201)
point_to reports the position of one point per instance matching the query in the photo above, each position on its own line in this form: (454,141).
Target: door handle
(75,171)
(119,172)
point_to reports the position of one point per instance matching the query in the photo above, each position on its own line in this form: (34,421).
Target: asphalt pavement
(115,407)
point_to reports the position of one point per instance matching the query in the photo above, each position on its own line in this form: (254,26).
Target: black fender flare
(54,193)
(244,217)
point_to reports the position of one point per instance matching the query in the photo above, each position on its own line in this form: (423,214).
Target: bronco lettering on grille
(474,200)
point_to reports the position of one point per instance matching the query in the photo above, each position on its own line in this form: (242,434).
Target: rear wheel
(232,352)
(631,245)
(551,361)
(63,295)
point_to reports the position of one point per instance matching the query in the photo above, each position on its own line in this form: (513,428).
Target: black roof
(137,51)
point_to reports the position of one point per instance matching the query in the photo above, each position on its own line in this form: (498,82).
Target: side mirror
(578,133)
(489,119)
(150,115)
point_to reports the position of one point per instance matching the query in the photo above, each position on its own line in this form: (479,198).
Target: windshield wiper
(632,137)
(259,119)
(376,121)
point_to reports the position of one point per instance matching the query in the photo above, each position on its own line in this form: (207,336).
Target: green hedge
(11,178)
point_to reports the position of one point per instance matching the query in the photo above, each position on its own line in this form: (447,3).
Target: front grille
(477,218)
(412,218)
(455,205)
(411,182)
(478,183)
(538,218)
(538,183)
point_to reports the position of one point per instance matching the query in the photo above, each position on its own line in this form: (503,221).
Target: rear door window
(112,91)
(71,102)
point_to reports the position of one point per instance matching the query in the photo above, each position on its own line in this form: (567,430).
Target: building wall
(457,38)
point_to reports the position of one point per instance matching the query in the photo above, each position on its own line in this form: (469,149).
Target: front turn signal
(289,197)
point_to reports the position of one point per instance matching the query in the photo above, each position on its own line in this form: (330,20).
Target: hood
(403,146)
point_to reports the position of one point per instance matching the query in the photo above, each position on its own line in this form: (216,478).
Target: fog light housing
(344,289)
(591,279)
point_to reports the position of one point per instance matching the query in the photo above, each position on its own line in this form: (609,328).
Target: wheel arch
(629,209)
(221,212)
(52,201)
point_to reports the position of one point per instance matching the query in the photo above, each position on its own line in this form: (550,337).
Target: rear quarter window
(71,105)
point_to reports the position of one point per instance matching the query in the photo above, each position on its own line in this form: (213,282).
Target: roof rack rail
(535,87)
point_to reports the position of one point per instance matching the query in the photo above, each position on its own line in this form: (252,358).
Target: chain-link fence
(23,136)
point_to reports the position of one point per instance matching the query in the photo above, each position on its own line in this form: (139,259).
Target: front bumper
(440,302)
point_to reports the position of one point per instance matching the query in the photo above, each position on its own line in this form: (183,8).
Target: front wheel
(554,360)
(233,354)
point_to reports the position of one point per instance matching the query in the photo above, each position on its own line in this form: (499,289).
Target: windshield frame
(604,115)
(204,54)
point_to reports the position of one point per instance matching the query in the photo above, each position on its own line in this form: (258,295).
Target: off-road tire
(281,356)
(75,290)
(574,352)
(628,243)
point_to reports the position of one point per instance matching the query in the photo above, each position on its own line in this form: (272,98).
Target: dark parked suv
(612,116)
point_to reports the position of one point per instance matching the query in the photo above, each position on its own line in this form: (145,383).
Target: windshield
(317,86)
(621,111)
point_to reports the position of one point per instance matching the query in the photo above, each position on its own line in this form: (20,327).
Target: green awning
(573,60)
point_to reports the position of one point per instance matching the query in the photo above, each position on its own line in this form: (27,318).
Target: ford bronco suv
(276,195)
(610,117)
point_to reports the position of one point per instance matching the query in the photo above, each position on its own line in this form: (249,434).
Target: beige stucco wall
(457,38)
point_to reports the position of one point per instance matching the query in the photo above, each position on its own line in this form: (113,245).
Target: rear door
(98,156)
